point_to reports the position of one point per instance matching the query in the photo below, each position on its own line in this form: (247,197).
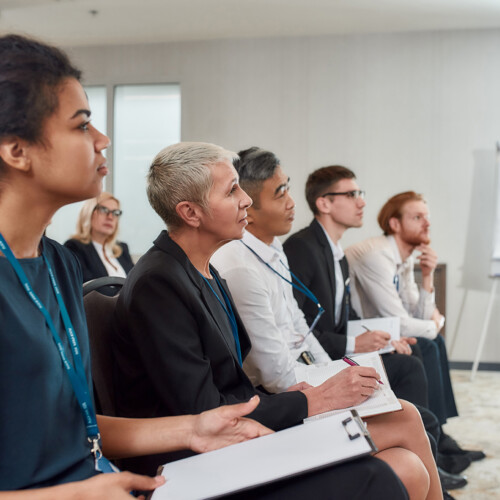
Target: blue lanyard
(300,287)
(396,282)
(76,374)
(347,287)
(229,312)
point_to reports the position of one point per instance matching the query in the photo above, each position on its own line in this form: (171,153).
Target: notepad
(266,459)
(383,399)
(391,325)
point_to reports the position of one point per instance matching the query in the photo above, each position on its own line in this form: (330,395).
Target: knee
(410,412)
(415,366)
(429,347)
(412,417)
(439,340)
(413,430)
(414,363)
(413,474)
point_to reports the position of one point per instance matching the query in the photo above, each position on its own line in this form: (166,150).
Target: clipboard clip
(359,426)
(351,436)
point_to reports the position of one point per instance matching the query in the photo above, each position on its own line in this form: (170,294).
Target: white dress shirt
(338,255)
(382,285)
(113,267)
(268,309)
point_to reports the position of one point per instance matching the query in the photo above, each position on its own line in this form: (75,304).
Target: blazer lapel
(219,316)
(328,261)
(165,243)
(242,333)
(96,260)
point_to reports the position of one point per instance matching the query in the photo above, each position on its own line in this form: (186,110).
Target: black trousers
(409,381)
(435,359)
(407,377)
(362,479)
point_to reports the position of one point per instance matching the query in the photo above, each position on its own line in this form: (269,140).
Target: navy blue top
(42,433)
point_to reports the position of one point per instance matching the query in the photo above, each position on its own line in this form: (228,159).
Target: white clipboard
(290,452)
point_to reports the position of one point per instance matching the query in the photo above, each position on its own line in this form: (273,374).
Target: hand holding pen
(378,339)
(372,340)
(351,362)
(345,389)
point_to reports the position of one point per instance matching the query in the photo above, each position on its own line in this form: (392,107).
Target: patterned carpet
(478,427)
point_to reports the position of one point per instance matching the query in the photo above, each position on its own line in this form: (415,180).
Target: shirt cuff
(350,345)
(413,327)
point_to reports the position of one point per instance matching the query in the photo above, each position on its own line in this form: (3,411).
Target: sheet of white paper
(262,460)
(390,325)
(383,400)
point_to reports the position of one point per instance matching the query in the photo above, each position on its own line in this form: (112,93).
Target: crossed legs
(401,438)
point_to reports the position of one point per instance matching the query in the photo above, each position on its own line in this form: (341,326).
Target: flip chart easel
(484,331)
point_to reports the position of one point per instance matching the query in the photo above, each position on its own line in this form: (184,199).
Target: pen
(351,362)
(366,328)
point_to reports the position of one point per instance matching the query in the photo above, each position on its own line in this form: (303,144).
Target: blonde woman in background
(94,242)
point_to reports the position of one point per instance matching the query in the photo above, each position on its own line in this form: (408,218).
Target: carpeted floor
(478,427)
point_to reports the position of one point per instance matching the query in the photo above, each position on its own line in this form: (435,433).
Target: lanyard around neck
(229,313)
(298,286)
(75,373)
(396,282)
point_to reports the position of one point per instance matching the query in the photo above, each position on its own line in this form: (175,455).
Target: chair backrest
(107,285)
(99,312)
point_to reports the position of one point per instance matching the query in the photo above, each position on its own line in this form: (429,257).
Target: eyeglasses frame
(355,194)
(106,211)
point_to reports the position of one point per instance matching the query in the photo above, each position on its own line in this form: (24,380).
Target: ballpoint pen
(351,362)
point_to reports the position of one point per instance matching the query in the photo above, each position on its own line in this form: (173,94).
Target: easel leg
(484,331)
(457,326)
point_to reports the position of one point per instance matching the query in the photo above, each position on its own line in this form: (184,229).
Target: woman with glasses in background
(94,242)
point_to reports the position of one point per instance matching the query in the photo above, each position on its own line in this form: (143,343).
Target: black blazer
(92,266)
(311,259)
(172,357)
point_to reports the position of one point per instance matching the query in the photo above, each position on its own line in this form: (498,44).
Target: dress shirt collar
(338,252)
(268,253)
(395,249)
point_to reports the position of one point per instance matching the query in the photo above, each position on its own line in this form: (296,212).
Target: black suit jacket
(92,266)
(172,356)
(311,259)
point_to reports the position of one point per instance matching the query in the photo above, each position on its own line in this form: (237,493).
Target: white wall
(405,111)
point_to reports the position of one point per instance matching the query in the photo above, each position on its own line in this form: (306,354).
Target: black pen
(366,328)
(351,362)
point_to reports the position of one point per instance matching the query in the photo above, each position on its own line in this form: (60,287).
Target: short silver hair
(181,173)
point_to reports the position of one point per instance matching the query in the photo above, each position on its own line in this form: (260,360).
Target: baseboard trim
(467,365)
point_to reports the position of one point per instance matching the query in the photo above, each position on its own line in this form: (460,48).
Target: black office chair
(99,312)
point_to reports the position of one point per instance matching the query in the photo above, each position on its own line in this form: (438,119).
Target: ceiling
(98,22)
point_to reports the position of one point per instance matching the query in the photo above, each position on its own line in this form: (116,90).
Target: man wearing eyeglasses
(317,259)
(256,271)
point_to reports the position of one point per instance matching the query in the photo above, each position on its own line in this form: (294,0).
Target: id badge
(306,357)
(102,464)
